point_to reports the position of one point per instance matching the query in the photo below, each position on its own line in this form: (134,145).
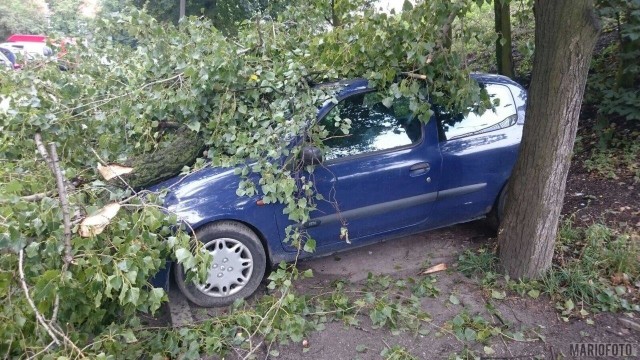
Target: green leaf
(129,337)
(182,254)
(533,293)
(568,305)
(194,125)
(470,334)
(310,245)
(454,300)
(361,348)
(498,294)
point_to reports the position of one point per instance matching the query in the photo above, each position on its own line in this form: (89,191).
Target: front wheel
(238,265)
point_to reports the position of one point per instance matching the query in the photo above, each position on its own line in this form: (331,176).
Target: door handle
(419,169)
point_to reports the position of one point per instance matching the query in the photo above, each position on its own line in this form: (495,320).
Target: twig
(414,75)
(35,356)
(35,197)
(253,349)
(261,42)
(39,316)
(66,220)
(43,151)
(68,341)
(101,102)
(30,198)
(64,202)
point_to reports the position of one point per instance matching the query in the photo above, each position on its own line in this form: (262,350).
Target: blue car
(392,176)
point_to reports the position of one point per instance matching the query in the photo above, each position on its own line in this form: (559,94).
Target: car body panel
(377,195)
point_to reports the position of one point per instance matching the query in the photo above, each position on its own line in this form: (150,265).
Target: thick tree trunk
(566,32)
(182,150)
(504,57)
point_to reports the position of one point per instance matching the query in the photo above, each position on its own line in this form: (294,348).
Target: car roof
(345,88)
(27,38)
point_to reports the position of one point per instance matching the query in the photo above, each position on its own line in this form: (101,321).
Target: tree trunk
(183,5)
(504,57)
(335,16)
(566,32)
(184,147)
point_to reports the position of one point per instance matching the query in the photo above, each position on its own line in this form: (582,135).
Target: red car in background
(27,38)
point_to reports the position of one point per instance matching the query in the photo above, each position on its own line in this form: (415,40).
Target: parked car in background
(27,38)
(391,176)
(31,50)
(11,56)
(5,62)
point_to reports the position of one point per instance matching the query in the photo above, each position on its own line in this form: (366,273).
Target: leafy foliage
(19,16)
(249,97)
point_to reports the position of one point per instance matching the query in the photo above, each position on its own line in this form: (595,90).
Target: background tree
(21,16)
(504,57)
(566,32)
(614,93)
(66,17)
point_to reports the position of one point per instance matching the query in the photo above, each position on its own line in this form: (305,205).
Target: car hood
(192,197)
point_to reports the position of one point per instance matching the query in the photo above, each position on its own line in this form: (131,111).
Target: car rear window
(503,114)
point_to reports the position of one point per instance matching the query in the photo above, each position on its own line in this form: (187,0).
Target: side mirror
(311,155)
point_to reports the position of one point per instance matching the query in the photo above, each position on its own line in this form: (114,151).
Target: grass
(621,157)
(594,267)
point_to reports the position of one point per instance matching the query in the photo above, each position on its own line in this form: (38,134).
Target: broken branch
(39,316)
(66,219)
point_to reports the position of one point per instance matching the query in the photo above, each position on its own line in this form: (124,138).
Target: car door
(478,152)
(381,177)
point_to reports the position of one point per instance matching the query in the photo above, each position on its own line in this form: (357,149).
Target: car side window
(373,126)
(503,114)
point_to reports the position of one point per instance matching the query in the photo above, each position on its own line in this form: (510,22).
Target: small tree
(566,32)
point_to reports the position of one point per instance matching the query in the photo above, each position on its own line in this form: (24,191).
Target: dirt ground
(405,257)
(547,336)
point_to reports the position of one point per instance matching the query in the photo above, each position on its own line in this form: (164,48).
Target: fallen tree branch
(30,198)
(68,341)
(444,33)
(64,202)
(39,316)
(66,219)
(43,151)
(53,162)
(107,100)
(124,182)
(414,75)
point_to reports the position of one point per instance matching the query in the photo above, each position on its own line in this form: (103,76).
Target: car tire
(238,265)
(496,215)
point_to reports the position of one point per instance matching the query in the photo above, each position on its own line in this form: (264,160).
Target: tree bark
(504,57)
(183,5)
(335,16)
(182,150)
(565,35)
